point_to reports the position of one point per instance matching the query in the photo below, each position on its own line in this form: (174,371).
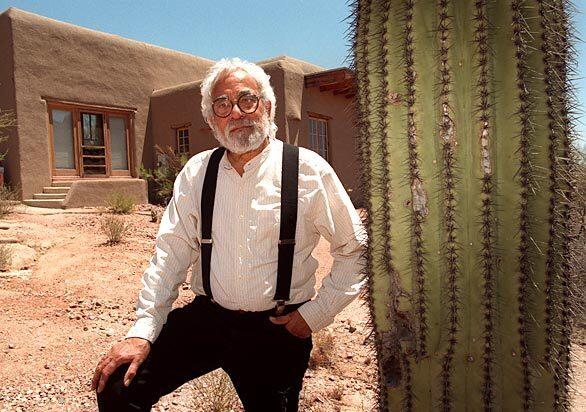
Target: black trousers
(265,362)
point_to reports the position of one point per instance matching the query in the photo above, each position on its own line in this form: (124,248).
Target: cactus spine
(464,114)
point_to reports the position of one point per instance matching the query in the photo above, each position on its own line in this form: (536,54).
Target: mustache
(239,123)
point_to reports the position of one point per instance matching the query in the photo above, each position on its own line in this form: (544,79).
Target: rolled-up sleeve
(338,222)
(176,249)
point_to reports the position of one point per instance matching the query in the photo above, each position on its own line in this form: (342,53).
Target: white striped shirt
(245,234)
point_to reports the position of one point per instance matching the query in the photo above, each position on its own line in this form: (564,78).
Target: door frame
(76,110)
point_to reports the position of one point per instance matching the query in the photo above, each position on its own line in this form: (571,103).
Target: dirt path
(78,298)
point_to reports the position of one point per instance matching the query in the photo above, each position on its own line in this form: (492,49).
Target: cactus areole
(464,112)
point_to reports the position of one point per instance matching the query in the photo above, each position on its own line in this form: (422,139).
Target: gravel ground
(65,307)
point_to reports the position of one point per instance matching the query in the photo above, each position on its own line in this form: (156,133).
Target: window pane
(183,141)
(118,149)
(63,140)
(93,134)
(312,135)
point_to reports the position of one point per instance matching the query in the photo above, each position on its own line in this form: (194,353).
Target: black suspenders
(208,195)
(289,194)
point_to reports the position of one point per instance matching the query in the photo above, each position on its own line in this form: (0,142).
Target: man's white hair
(222,69)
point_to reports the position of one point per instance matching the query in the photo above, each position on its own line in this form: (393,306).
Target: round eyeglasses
(247,103)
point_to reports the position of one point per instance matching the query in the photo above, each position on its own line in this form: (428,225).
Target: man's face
(240,132)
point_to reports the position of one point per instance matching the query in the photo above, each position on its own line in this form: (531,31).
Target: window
(118,149)
(318,136)
(89,141)
(183,141)
(63,145)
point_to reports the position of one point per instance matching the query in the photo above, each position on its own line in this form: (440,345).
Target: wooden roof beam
(334,76)
(335,86)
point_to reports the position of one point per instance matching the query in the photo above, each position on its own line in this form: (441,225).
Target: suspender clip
(280,307)
(207,241)
(286,241)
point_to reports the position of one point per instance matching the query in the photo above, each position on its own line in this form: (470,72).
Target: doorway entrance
(90,142)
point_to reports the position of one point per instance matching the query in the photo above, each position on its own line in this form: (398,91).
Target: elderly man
(246,217)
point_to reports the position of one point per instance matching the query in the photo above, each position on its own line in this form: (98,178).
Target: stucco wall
(97,192)
(341,136)
(180,106)
(58,60)
(7,98)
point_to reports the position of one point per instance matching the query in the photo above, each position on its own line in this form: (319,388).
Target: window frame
(76,110)
(178,138)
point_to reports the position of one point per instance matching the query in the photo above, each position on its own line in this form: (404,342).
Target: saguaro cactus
(465,112)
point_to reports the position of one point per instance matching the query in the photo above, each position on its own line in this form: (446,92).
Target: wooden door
(93,153)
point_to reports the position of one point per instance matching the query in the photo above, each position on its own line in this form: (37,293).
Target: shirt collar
(255,161)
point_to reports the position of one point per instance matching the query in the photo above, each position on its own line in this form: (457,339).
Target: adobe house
(90,107)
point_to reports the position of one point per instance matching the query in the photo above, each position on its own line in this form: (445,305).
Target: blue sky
(312,30)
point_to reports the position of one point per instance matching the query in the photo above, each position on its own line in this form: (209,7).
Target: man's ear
(268,106)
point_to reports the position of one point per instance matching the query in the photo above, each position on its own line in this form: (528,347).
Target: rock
(22,256)
(47,366)
(351,329)
(46,244)
(10,346)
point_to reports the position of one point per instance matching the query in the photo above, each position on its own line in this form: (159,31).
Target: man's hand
(294,323)
(130,350)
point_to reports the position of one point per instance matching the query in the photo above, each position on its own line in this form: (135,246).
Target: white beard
(243,140)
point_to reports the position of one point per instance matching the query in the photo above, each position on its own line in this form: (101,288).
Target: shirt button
(241,216)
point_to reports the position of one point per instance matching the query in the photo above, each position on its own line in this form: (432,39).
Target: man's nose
(236,113)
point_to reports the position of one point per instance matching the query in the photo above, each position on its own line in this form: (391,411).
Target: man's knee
(116,396)
(277,399)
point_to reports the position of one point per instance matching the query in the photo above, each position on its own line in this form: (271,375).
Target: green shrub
(163,176)
(7,119)
(323,350)
(5,257)
(7,198)
(114,228)
(214,392)
(119,203)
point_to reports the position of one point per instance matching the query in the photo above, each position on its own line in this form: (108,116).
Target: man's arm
(338,222)
(175,251)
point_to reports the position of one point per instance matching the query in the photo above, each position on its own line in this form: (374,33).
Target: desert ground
(70,296)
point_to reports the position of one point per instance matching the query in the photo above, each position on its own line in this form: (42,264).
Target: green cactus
(466,141)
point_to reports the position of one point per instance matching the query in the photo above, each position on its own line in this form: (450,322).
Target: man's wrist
(313,316)
(138,337)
